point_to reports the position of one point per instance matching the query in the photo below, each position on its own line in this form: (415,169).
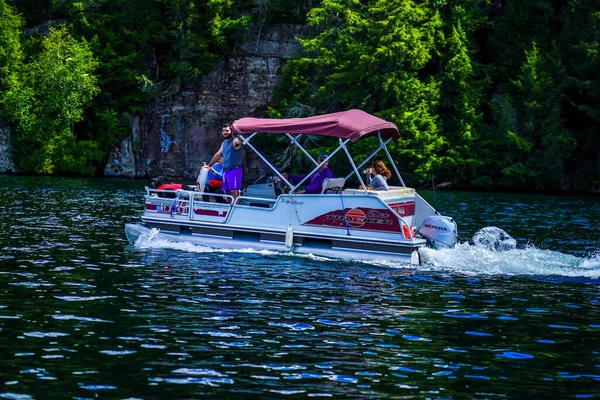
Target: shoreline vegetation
(488,96)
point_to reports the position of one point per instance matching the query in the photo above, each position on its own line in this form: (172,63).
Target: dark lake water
(84,314)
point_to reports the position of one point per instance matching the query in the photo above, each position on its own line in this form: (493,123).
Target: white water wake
(154,241)
(492,251)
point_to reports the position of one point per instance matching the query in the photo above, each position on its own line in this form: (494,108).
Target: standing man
(231,151)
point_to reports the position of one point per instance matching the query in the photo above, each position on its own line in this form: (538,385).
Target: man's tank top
(231,158)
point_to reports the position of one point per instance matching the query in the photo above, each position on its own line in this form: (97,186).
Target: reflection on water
(84,314)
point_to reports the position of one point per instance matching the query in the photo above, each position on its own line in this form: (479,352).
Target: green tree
(372,55)
(462,94)
(538,143)
(147,48)
(546,96)
(579,41)
(46,101)
(11,53)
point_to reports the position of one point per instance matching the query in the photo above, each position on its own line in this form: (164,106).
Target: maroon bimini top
(352,124)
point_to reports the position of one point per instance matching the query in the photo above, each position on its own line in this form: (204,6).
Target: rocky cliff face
(6,159)
(182,128)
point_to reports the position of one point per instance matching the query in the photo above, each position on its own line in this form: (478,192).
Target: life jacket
(171,189)
(215,183)
(170,186)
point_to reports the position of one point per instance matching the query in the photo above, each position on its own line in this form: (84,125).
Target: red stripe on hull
(405,209)
(210,213)
(368,219)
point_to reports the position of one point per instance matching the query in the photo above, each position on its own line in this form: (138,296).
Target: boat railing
(208,197)
(176,204)
(168,193)
(181,204)
(199,197)
(184,194)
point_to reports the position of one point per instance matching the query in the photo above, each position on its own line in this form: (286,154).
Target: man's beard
(228,136)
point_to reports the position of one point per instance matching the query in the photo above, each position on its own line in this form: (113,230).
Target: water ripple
(45,334)
(514,355)
(85,313)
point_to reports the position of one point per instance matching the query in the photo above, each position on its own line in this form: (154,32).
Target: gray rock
(6,151)
(182,129)
(121,162)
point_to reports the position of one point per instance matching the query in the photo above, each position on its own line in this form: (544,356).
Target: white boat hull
(403,254)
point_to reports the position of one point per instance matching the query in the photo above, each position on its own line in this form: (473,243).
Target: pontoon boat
(340,222)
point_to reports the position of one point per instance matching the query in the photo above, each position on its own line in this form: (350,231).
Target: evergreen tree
(580,55)
(540,139)
(462,96)
(371,55)
(536,83)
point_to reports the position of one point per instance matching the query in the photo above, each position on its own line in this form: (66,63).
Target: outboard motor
(440,232)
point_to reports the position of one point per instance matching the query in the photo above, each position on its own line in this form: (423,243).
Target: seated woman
(382,174)
(316,180)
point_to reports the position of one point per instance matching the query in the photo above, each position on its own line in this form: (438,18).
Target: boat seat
(395,192)
(333,184)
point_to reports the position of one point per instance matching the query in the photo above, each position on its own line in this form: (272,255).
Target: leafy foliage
(11,53)
(381,47)
(463,82)
(485,94)
(47,100)
(544,58)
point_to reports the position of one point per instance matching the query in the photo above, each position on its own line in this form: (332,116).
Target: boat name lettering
(377,214)
(439,228)
(290,201)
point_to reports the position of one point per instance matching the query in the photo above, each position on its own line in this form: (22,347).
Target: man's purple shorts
(232,179)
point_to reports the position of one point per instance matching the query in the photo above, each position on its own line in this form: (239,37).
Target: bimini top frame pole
(353,166)
(318,165)
(246,142)
(382,145)
(293,140)
(349,125)
(387,152)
